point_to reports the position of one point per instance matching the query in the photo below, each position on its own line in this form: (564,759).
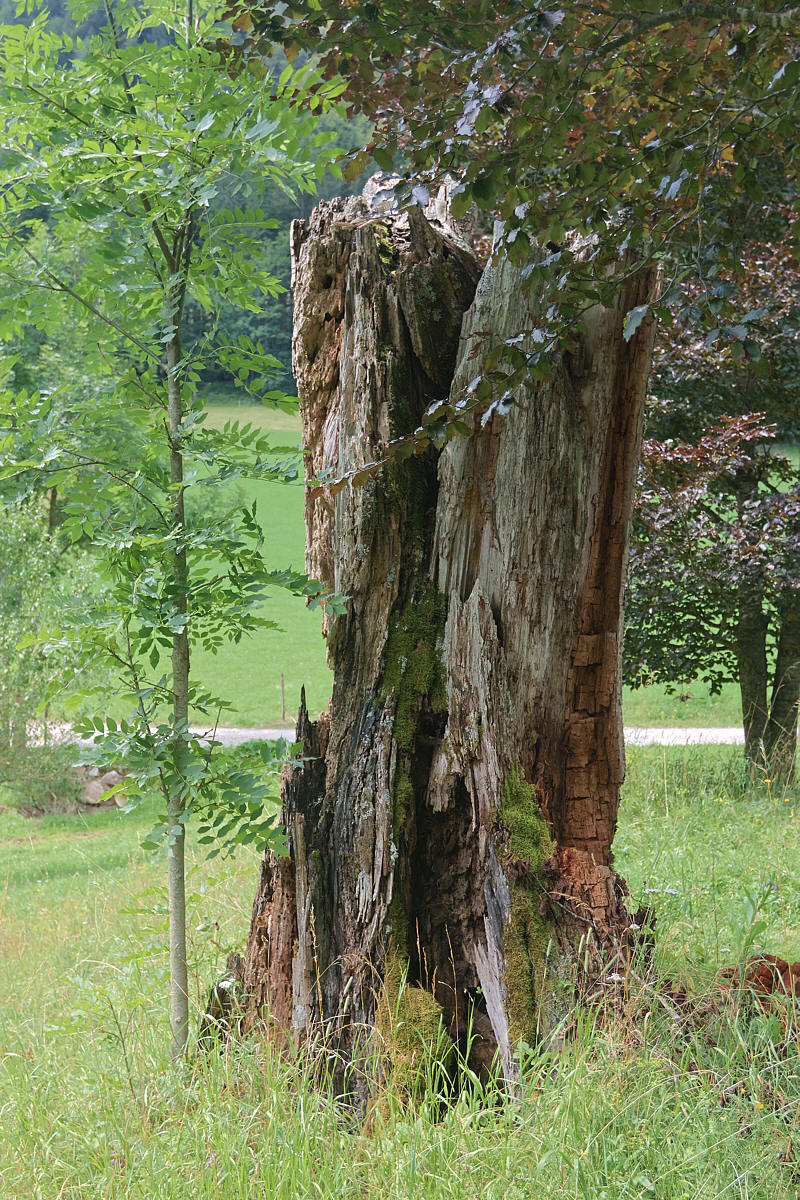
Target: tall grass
(714,854)
(637,1105)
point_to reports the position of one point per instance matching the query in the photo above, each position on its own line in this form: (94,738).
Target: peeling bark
(461,804)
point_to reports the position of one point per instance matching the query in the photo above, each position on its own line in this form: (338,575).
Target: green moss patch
(398,925)
(528,934)
(387,250)
(413,668)
(525,944)
(529,838)
(403,797)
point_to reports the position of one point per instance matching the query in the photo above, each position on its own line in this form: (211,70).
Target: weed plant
(645,1103)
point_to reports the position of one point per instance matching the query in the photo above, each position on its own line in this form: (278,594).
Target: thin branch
(779,22)
(125,482)
(84,462)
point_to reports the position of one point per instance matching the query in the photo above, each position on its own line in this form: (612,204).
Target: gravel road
(634,736)
(673,736)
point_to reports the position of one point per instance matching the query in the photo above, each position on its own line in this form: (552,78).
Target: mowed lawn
(687,705)
(250,673)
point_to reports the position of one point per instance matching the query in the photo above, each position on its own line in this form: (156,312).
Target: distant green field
(689,705)
(250,673)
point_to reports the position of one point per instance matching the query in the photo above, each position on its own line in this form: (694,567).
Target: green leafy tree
(714,588)
(41,587)
(35,588)
(140,143)
(597,134)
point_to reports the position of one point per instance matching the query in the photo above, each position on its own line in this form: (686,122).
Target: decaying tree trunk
(459,798)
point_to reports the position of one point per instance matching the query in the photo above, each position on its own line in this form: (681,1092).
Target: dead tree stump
(461,799)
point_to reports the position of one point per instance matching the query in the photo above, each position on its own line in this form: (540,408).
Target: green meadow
(645,1100)
(251,671)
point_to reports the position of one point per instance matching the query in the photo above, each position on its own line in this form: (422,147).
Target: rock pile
(98,782)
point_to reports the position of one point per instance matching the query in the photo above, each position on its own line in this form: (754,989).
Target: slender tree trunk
(781,732)
(458,801)
(179,982)
(751,653)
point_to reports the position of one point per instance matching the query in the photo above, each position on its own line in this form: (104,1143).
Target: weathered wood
(461,808)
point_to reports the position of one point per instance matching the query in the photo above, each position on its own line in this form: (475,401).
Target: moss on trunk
(413,671)
(529,942)
(411,1043)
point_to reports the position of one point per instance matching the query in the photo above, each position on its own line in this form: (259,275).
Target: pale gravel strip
(227,736)
(634,735)
(676,736)
(235,737)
